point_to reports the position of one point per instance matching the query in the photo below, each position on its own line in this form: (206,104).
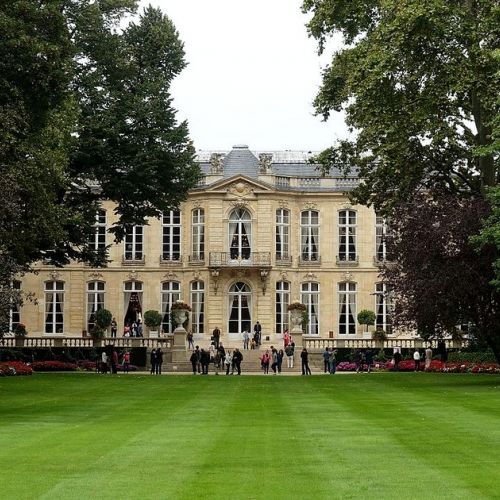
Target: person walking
(153,360)
(304,356)
(332,361)
(257,329)
(114,327)
(264,362)
(290,352)
(428,357)
(246,339)
(369,360)
(159,360)
(326,360)
(416,359)
(216,336)
(237,360)
(126,362)
(228,361)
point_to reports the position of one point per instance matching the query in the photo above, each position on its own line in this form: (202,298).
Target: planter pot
(296,321)
(180,317)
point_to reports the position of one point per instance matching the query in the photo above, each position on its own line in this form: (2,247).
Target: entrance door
(240,306)
(240,234)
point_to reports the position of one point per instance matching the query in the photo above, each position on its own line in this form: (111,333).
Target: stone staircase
(250,364)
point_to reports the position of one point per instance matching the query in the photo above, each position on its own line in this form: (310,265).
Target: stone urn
(296,310)
(180,313)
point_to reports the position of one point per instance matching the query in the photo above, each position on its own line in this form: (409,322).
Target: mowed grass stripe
(387,435)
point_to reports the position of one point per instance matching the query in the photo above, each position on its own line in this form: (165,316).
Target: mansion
(259,231)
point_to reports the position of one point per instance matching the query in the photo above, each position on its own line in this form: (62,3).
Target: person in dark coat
(304,356)
(369,360)
(159,360)
(237,359)
(397,359)
(216,337)
(194,361)
(153,361)
(204,361)
(257,330)
(114,361)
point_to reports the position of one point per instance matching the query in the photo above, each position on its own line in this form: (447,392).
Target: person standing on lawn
(326,360)
(194,361)
(332,361)
(397,356)
(428,357)
(114,361)
(237,359)
(228,361)
(153,360)
(159,360)
(369,360)
(290,352)
(304,356)
(126,361)
(264,362)
(416,359)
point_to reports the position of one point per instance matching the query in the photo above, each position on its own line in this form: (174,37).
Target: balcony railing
(253,259)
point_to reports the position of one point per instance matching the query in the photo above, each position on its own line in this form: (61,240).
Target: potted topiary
(102,322)
(152,319)
(19,333)
(366,317)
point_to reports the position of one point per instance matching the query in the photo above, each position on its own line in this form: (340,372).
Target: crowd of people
(230,361)
(110,363)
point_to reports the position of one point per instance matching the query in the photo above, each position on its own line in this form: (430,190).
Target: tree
(85,115)
(419,85)
(442,281)
(418,81)
(366,317)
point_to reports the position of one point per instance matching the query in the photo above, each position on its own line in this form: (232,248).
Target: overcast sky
(252,75)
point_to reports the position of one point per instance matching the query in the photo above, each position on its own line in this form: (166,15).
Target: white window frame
(309,235)
(346,231)
(100,230)
(95,299)
(347,291)
(198,234)
(281,316)
(133,249)
(171,236)
(54,296)
(310,297)
(170,293)
(197,292)
(282,234)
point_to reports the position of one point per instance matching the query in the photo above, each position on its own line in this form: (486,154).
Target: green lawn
(366,436)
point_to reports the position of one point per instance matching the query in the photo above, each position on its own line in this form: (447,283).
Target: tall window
(171,249)
(95,301)
(14,315)
(132,302)
(240,234)
(347,235)
(54,307)
(282,301)
(198,234)
(383,308)
(170,292)
(310,297)
(380,234)
(198,307)
(347,308)
(240,298)
(134,243)
(309,235)
(282,234)
(99,242)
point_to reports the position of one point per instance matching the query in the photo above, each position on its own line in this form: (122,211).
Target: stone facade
(288,225)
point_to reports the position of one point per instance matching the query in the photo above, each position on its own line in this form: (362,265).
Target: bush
(471,357)
(53,366)
(152,319)
(15,368)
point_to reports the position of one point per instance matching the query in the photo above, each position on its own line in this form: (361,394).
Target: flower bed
(53,366)
(11,368)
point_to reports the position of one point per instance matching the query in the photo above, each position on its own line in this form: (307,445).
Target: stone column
(179,347)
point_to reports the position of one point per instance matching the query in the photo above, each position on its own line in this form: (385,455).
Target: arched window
(171,223)
(383,306)
(282,301)
(347,235)
(54,307)
(310,297)
(170,292)
(240,234)
(95,301)
(309,235)
(282,234)
(132,302)
(347,308)
(198,308)
(240,310)
(198,235)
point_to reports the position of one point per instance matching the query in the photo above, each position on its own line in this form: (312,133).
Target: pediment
(240,185)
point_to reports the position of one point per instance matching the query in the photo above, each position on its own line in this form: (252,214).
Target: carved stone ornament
(240,273)
(170,276)
(217,163)
(310,276)
(240,189)
(347,276)
(133,275)
(283,203)
(284,276)
(197,204)
(265,163)
(310,205)
(240,204)
(346,206)
(95,275)
(196,276)
(54,275)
